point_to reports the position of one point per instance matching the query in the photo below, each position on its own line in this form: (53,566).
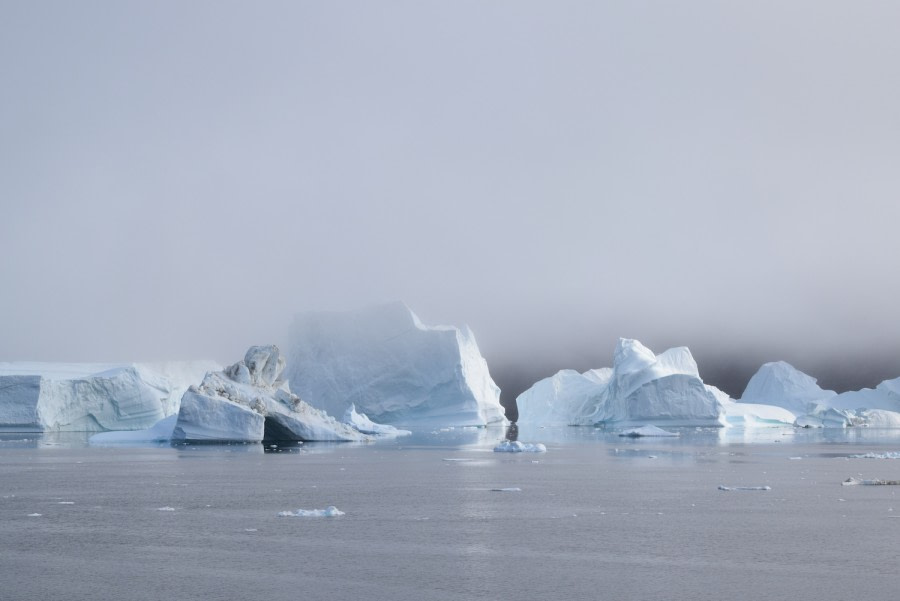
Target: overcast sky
(177,179)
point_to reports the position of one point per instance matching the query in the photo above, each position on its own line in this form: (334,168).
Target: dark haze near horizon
(178,179)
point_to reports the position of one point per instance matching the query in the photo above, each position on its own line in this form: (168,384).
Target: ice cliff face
(390,366)
(641,388)
(83,397)
(248,401)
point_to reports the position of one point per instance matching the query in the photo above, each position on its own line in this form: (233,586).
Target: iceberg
(389,365)
(91,397)
(780,386)
(641,388)
(248,401)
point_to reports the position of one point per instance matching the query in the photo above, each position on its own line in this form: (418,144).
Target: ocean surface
(595,517)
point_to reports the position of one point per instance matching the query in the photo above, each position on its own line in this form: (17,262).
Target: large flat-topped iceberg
(641,388)
(91,397)
(393,368)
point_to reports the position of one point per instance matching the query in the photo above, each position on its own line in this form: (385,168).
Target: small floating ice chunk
(875,482)
(647,431)
(329,512)
(514,446)
(166,508)
(510,489)
(66,503)
(730,488)
(457,459)
(888,455)
(34,515)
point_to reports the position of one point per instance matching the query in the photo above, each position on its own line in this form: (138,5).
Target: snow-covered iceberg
(248,401)
(393,368)
(641,388)
(92,397)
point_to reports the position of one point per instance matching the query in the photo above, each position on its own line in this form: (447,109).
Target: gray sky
(177,179)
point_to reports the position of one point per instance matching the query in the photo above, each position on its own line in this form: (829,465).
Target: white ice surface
(641,388)
(514,446)
(362,423)
(329,512)
(647,431)
(161,431)
(393,368)
(240,402)
(92,397)
(781,384)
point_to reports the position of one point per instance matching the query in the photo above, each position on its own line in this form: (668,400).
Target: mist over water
(178,183)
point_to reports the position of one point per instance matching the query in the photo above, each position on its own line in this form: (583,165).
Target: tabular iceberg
(390,366)
(91,397)
(248,401)
(641,388)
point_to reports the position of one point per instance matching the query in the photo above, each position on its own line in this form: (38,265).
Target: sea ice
(742,488)
(514,446)
(393,368)
(329,512)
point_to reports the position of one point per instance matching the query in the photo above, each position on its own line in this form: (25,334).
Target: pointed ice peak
(631,356)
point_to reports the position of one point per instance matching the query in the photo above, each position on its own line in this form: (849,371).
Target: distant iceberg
(393,368)
(641,388)
(92,397)
(782,386)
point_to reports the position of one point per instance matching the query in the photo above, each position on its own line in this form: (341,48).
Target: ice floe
(647,431)
(514,446)
(329,512)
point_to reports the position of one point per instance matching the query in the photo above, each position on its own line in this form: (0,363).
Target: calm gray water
(597,517)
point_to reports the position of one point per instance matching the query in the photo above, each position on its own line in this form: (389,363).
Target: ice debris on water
(509,489)
(646,431)
(730,488)
(34,515)
(329,512)
(875,482)
(888,455)
(166,508)
(514,446)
